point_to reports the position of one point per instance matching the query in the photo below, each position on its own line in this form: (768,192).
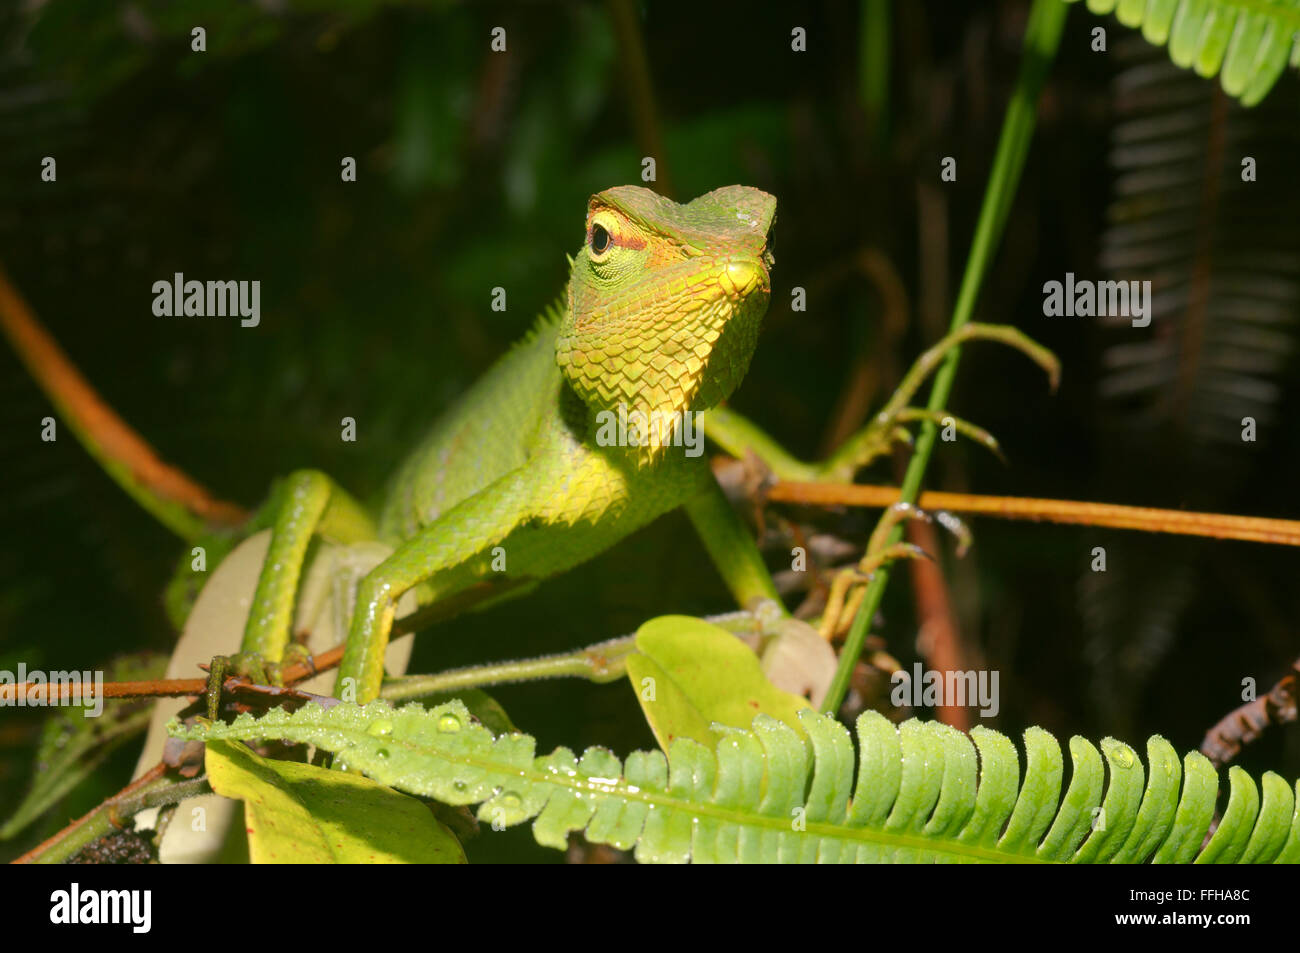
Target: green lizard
(521,479)
(526,476)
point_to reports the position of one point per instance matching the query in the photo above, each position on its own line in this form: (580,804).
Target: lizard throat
(647,369)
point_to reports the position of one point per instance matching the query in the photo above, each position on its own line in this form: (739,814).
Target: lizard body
(652,334)
(519,480)
(573,498)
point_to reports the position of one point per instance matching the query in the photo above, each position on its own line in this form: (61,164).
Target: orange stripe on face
(629,241)
(618,237)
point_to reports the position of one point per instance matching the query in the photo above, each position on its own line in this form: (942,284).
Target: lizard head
(665,300)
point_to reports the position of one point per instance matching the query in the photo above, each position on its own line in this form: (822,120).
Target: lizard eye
(600,240)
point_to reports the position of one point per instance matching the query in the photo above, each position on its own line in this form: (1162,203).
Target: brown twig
(289,674)
(940,638)
(96,822)
(1244,724)
(1258,529)
(39,694)
(85,410)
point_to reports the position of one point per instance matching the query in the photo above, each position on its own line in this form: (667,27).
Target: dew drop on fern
(736,804)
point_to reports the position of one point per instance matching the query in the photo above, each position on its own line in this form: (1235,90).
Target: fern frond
(924,792)
(1246,43)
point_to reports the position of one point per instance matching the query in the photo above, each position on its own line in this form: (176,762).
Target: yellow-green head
(665,300)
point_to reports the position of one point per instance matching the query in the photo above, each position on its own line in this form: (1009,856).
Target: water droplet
(380,729)
(1124,757)
(382,753)
(511,800)
(449,724)
(458,785)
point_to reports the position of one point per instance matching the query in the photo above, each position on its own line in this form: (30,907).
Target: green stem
(602,662)
(873,68)
(103,820)
(1042,36)
(739,437)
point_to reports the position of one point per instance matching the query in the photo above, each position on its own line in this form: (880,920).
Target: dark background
(473,171)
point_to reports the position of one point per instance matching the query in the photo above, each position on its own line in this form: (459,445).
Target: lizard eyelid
(602,235)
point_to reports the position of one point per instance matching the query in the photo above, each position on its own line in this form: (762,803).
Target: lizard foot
(843,600)
(249,666)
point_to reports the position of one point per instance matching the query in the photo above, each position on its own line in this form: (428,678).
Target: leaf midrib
(660,799)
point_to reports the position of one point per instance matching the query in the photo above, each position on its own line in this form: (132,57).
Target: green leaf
(481,705)
(1247,43)
(770,794)
(301,814)
(688,674)
(73,746)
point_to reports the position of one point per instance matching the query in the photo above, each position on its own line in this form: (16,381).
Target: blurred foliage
(73,743)
(473,172)
(1223,258)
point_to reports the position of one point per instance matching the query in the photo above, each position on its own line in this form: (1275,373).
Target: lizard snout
(741,277)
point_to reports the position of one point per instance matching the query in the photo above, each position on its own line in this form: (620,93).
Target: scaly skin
(661,316)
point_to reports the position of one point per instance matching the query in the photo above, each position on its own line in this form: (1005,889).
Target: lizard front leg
(794,656)
(732,549)
(306,503)
(447,555)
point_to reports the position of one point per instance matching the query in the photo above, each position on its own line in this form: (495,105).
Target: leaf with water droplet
(916,795)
